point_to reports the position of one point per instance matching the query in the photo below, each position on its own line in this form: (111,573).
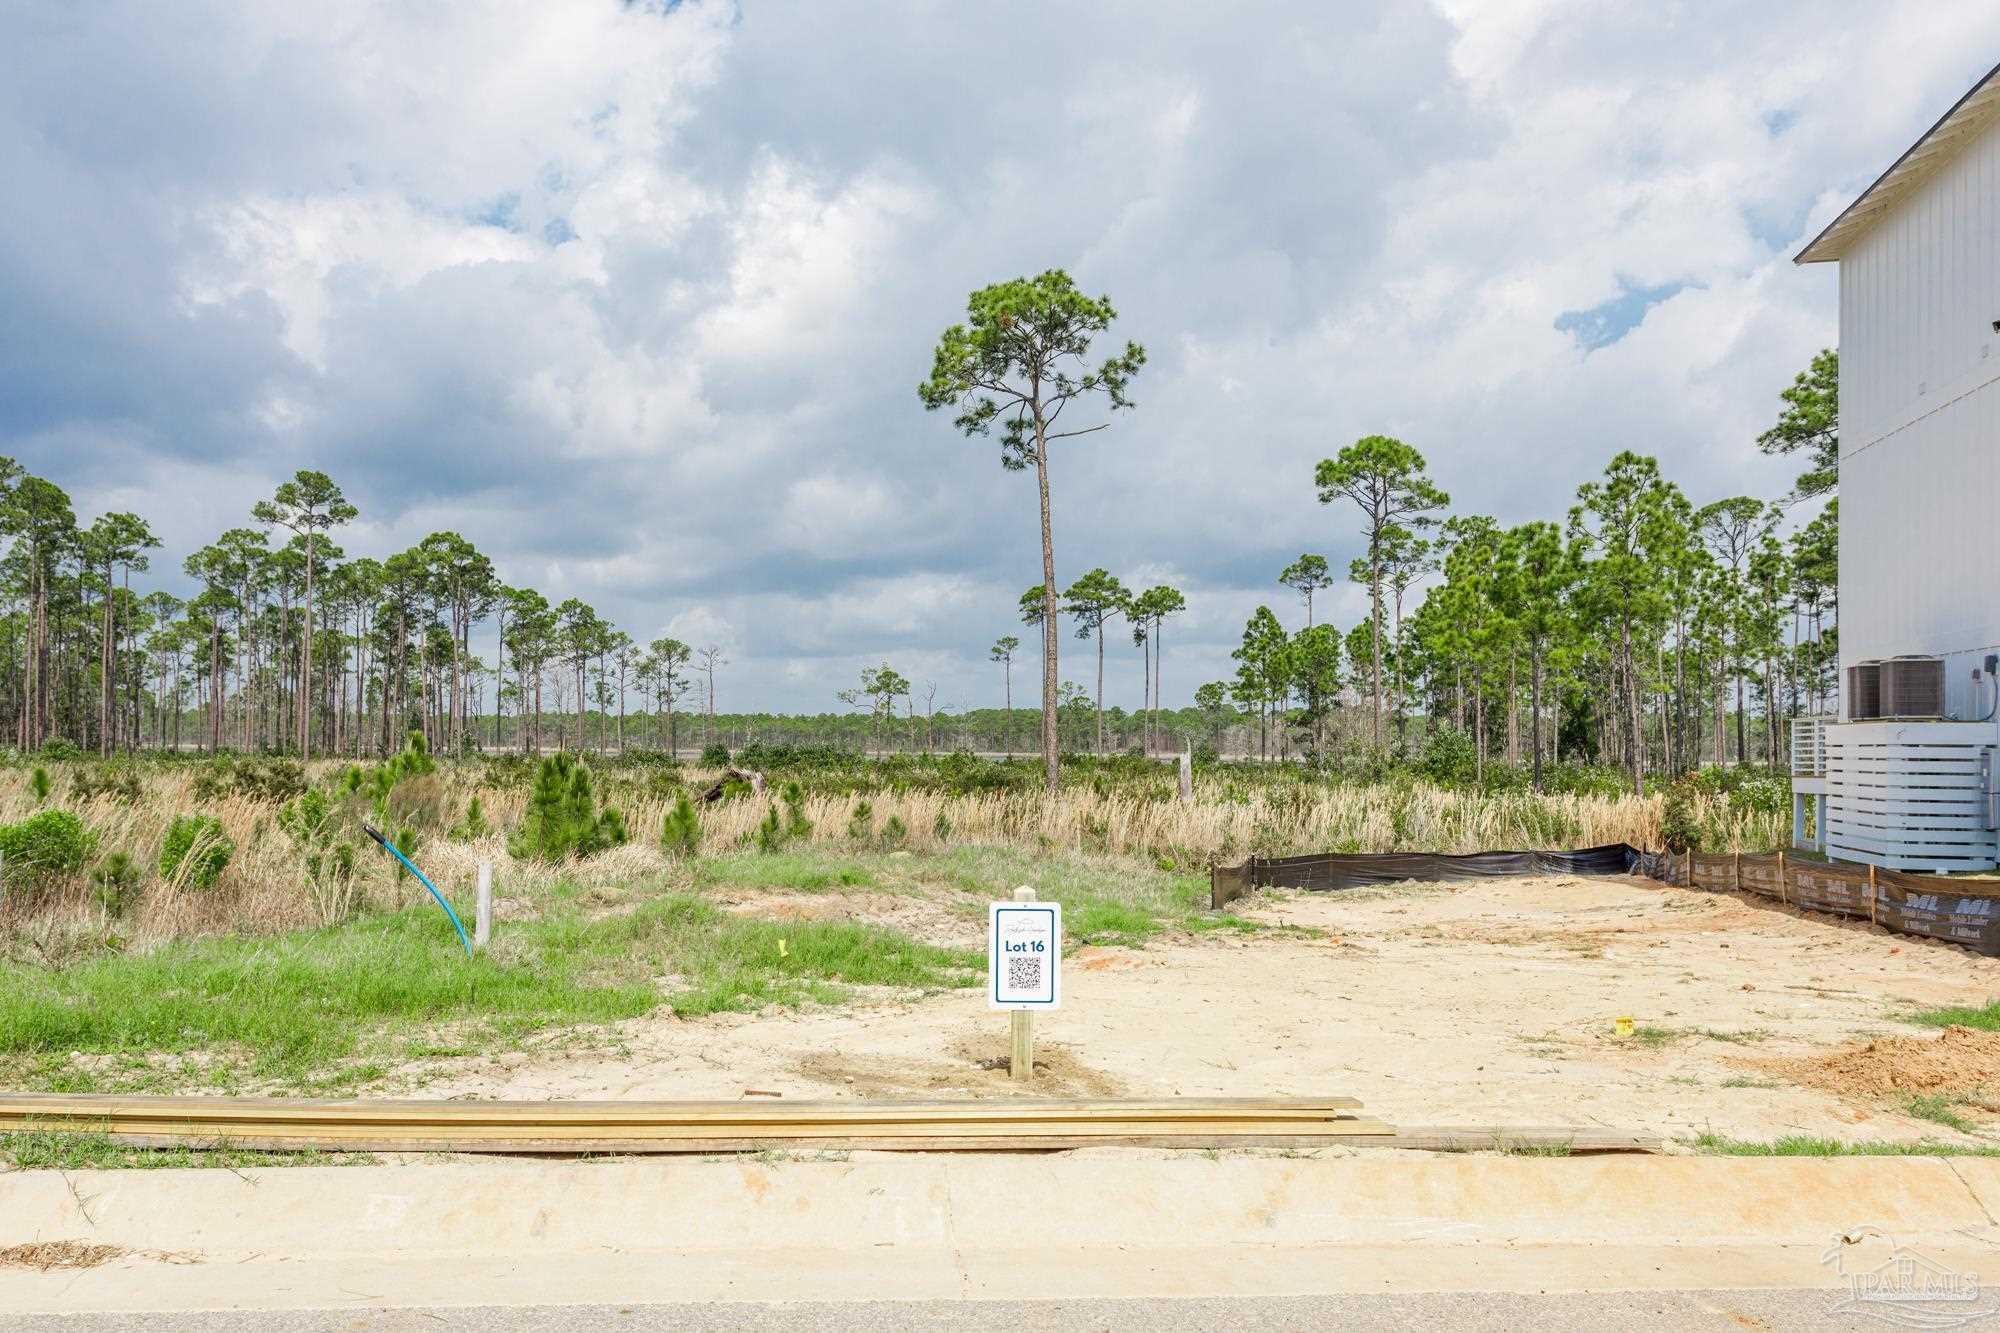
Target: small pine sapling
(770,832)
(562,818)
(796,823)
(861,824)
(680,832)
(115,881)
(405,842)
(475,826)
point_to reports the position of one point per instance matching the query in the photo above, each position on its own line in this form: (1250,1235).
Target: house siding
(1920,427)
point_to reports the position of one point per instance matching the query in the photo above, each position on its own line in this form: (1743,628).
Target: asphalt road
(1474,1312)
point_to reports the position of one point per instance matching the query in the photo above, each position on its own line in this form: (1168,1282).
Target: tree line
(1640,630)
(289,646)
(1616,633)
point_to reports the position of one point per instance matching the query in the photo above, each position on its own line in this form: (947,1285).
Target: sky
(636,296)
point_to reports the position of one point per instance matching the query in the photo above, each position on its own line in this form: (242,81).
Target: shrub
(563,818)
(39,782)
(861,824)
(60,749)
(273,780)
(115,881)
(46,845)
(319,837)
(195,852)
(216,780)
(662,784)
(715,756)
(894,831)
(1761,793)
(116,782)
(1679,828)
(1448,758)
(680,832)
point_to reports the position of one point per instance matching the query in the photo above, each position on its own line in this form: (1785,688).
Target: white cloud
(636,296)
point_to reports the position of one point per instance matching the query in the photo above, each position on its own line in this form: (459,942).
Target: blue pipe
(392,849)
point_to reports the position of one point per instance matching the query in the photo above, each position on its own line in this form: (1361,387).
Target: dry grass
(264,883)
(46,1255)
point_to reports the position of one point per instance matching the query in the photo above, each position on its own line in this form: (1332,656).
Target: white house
(1906,773)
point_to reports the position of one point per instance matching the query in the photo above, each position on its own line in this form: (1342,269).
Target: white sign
(1023,955)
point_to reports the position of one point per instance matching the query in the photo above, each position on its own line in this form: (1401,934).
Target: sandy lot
(1486,1004)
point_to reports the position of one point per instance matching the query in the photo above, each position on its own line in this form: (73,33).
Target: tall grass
(265,885)
(296,1005)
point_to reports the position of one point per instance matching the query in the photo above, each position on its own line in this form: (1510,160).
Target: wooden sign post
(1024,969)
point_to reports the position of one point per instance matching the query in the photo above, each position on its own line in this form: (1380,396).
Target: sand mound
(1959,1060)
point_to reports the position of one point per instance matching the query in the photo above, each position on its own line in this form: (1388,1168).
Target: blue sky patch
(1608,321)
(504,212)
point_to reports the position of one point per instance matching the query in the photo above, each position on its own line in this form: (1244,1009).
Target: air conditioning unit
(1864,691)
(1913,686)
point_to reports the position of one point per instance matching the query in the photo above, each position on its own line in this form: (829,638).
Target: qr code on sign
(1024,973)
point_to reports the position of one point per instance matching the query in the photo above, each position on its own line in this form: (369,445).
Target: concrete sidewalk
(944,1227)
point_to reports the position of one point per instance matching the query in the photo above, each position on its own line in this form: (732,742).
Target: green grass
(1986,1018)
(1939,1108)
(1739,1038)
(1105,900)
(35,1150)
(312,1008)
(1524,1148)
(1654,1037)
(327,1011)
(804,870)
(1805,1145)
(735,963)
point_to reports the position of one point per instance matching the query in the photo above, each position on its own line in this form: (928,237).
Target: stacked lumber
(672,1127)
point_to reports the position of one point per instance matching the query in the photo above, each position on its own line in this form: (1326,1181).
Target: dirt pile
(1961,1061)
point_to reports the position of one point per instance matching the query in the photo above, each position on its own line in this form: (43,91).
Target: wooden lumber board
(1357,1132)
(251,1133)
(651,1114)
(682,1126)
(1488,1138)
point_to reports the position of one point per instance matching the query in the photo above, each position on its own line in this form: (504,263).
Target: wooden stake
(1021,1058)
(1187,777)
(1782,897)
(1871,895)
(482,926)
